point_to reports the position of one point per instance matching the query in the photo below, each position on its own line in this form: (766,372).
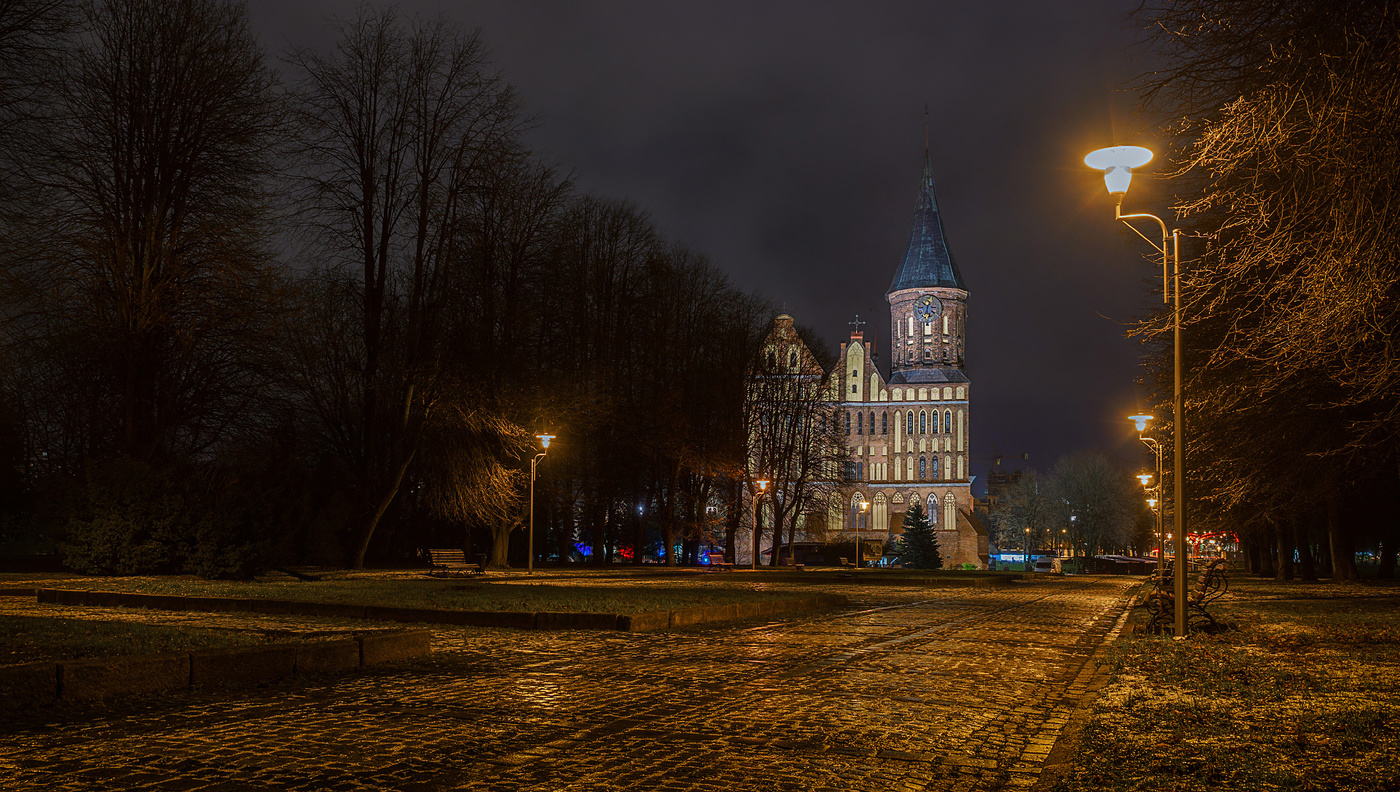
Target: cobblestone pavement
(906,689)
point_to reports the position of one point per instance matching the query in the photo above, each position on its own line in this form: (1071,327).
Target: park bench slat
(451,560)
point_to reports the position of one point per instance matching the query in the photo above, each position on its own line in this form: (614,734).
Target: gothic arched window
(947,421)
(931,508)
(860,471)
(884,423)
(860,423)
(848,423)
(923,467)
(923,423)
(909,423)
(792,359)
(935,467)
(872,422)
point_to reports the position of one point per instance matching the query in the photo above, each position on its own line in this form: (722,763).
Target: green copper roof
(928,261)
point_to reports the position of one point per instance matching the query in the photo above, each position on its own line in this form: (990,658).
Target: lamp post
(544,443)
(1027,559)
(860,552)
(1117,164)
(758,496)
(1140,421)
(1064,540)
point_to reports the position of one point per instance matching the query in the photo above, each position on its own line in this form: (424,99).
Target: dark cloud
(785,140)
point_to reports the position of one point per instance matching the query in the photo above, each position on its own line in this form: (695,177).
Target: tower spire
(928,262)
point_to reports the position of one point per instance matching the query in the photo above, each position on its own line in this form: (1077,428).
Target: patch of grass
(575,594)
(1303,695)
(27,639)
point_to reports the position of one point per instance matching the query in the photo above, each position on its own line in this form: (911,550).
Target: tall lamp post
(860,551)
(1027,560)
(1117,164)
(544,443)
(1140,421)
(1146,479)
(758,496)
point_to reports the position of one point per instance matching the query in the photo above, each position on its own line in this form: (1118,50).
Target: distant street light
(762,488)
(1140,421)
(860,552)
(544,443)
(1117,164)
(1027,559)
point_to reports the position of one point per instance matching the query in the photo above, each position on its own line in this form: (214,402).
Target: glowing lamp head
(1151,503)
(762,485)
(1140,421)
(1117,163)
(864,506)
(544,439)
(1144,478)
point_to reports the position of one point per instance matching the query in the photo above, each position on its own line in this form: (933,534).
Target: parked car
(1047,564)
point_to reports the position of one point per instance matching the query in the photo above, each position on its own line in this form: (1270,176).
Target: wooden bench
(1204,586)
(717,561)
(452,562)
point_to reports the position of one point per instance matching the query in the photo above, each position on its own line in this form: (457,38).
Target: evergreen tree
(919,546)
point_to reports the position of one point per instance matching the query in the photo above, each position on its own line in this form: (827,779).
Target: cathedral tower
(909,437)
(928,300)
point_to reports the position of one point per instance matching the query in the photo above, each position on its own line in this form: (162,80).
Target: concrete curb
(518,620)
(101,678)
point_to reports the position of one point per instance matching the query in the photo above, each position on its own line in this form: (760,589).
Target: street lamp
(544,443)
(1140,421)
(860,553)
(762,488)
(1117,164)
(1027,559)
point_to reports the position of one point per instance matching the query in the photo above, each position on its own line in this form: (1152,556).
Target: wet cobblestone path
(903,690)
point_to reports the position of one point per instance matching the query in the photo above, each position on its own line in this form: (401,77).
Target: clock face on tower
(927,307)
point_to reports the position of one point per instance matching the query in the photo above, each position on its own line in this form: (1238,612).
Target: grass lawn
(553,591)
(26,639)
(1304,694)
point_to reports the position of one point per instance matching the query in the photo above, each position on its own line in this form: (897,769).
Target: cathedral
(908,436)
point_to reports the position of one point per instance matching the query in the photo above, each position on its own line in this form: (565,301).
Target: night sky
(785,142)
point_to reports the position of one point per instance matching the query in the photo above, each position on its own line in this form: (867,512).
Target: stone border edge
(239,667)
(544,620)
(1061,759)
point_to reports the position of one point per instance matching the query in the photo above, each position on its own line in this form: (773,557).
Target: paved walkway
(906,689)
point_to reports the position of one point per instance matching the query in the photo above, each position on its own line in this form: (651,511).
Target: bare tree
(793,431)
(1099,496)
(150,299)
(401,123)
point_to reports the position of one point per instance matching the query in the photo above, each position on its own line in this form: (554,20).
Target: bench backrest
(444,557)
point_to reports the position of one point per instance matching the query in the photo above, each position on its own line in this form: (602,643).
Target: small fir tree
(919,545)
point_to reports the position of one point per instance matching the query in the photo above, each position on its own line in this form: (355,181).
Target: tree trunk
(1267,568)
(1324,558)
(597,527)
(732,521)
(1283,541)
(376,513)
(500,545)
(639,537)
(1251,553)
(1305,557)
(1387,567)
(1339,540)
